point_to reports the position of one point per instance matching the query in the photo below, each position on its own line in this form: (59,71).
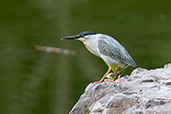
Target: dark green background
(33,82)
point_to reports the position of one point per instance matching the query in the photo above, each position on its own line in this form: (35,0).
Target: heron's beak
(71,37)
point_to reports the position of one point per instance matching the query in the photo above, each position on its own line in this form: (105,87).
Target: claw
(113,81)
(98,82)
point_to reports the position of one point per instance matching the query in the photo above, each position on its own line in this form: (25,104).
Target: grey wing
(114,50)
(126,58)
(108,49)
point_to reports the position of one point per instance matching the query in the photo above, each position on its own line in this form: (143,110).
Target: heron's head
(83,36)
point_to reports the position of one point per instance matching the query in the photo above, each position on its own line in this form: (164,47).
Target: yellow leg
(102,80)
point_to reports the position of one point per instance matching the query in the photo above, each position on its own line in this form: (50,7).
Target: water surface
(34,82)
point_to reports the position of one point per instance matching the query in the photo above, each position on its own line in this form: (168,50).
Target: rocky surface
(143,92)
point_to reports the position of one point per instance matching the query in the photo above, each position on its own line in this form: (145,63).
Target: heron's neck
(91,45)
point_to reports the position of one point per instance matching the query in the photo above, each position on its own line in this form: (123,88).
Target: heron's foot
(113,81)
(98,82)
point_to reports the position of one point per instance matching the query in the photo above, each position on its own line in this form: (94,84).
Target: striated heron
(105,47)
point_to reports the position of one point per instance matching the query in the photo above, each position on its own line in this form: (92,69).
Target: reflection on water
(34,82)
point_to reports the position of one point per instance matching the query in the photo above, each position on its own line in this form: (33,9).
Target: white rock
(143,92)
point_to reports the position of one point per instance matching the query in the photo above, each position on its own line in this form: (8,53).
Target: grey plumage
(107,48)
(104,49)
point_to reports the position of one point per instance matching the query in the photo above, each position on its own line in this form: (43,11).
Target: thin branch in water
(54,50)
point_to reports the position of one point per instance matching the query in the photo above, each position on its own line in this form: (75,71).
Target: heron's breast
(92,48)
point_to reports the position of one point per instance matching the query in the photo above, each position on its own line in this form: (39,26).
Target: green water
(34,82)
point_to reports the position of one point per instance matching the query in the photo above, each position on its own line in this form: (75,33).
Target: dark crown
(87,33)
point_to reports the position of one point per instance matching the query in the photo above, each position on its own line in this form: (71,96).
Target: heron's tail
(128,60)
